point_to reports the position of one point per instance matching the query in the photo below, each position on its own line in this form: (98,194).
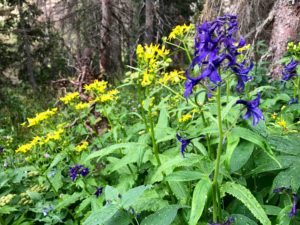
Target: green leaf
(271,210)
(286,144)
(246,197)
(185,176)
(120,218)
(242,220)
(172,163)
(241,155)
(250,136)
(7,209)
(232,142)
(283,218)
(163,118)
(110,149)
(68,200)
(200,195)
(83,205)
(228,107)
(132,195)
(101,216)
(58,158)
(180,190)
(288,178)
(111,194)
(164,216)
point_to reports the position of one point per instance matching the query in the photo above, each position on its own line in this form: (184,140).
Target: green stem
(208,137)
(298,79)
(142,109)
(154,144)
(227,90)
(187,52)
(216,203)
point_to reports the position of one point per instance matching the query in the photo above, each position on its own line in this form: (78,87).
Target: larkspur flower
(214,44)
(229,221)
(294,207)
(290,70)
(252,109)
(99,191)
(293,101)
(78,169)
(185,142)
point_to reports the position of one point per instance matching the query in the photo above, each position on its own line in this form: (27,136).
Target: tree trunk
(105,37)
(149,21)
(286,26)
(27,48)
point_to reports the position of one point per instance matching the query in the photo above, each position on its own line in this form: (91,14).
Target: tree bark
(286,28)
(105,37)
(149,21)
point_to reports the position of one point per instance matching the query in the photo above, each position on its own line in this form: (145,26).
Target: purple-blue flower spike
(294,208)
(252,109)
(290,70)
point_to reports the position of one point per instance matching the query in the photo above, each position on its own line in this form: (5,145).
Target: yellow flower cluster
(38,188)
(40,117)
(82,105)
(245,48)
(55,135)
(96,86)
(185,118)
(293,47)
(25,199)
(109,96)
(151,58)
(28,146)
(179,31)
(69,97)
(82,146)
(274,116)
(282,123)
(4,200)
(174,77)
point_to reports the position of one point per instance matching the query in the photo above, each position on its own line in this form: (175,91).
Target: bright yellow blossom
(245,48)
(179,31)
(82,105)
(147,79)
(174,76)
(109,96)
(28,146)
(69,97)
(97,86)
(185,118)
(52,136)
(274,116)
(40,117)
(282,123)
(82,146)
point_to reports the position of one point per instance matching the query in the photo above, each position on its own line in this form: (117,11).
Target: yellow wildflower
(245,48)
(52,136)
(82,146)
(185,118)
(147,79)
(282,123)
(4,200)
(28,146)
(97,86)
(41,117)
(283,107)
(140,51)
(69,97)
(274,116)
(174,76)
(82,105)
(179,31)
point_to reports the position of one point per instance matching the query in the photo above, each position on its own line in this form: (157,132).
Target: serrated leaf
(286,144)
(180,190)
(288,178)
(241,155)
(172,164)
(200,196)
(245,196)
(250,136)
(68,200)
(120,218)
(132,195)
(164,216)
(110,149)
(185,176)
(242,220)
(101,216)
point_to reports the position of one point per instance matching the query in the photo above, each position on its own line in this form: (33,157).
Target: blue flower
(290,70)
(294,207)
(78,169)
(252,109)
(293,101)
(99,191)
(185,142)
(281,189)
(242,72)
(190,84)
